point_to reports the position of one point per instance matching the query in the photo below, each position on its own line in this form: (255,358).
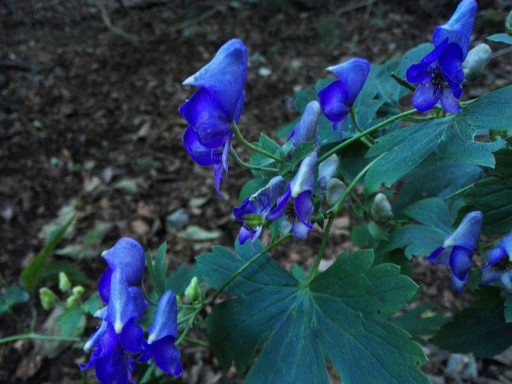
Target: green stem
(366,133)
(35,336)
(335,210)
(252,147)
(247,265)
(356,124)
(238,161)
(462,190)
(147,374)
(403,83)
(197,342)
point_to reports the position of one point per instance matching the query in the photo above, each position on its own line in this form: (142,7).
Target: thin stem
(35,336)
(375,128)
(335,210)
(247,265)
(197,342)
(238,161)
(402,82)
(356,124)
(462,190)
(252,147)
(147,374)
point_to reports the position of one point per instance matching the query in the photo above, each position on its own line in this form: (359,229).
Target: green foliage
(157,270)
(340,315)
(31,274)
(179,279)
(480,329)
(12,297)
(260,160)
(493,196)
(71,323)
(501,38)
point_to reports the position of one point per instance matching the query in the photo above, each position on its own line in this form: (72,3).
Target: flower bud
(476,61)
(381,209)
(326,171)
(47,298)
(335,189)
(64,283)
(78,290)
(71,301)
(193,293)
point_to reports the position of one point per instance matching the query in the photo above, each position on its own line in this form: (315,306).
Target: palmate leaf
(451,138)
(340,316)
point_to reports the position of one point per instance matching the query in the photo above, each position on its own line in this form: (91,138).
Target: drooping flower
(440,73)
(305,130)
(295,204)
(254,210)
(126,255)
(162,335)
(338,97)
(499,263)
(458,248)
(218,103)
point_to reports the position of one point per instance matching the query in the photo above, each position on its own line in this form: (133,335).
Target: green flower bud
(64,283)
(476,61)
(47,298)
(335,189)
(381,209)
(508,24)
(78,290)
(71,301)
(193,293)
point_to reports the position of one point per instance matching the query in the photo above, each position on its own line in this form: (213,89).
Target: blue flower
(338,97)
(440,73)
(162,334)
(254,210)
(458,248)
(215,106)
(295,204)
(499,263)
(305,130)
(126,255)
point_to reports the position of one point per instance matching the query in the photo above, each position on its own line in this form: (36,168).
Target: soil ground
(89,119)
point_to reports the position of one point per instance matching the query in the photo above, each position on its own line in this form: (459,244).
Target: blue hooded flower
(440,73)
(295,204)
(254,210)
(338,97)
(162,334)
(305,130)
(458,29)
(458,248)
(499,263)
(213,108)
(126,255)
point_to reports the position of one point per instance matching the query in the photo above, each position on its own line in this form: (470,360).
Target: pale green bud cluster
(381,209)
(192,292)
(47,298)
(476,61)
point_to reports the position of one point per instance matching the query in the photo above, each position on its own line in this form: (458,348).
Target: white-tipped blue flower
(458,248)
(305,130)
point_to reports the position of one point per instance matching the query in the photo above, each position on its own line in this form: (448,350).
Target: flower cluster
(215,106)
(120,336)
(440,73)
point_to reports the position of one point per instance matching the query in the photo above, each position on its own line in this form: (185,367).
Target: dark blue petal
(424,98)
(198,152)
(304,208)
(104,284)
(204,115)
(167,356)
(334,102)
(132,337)
(352,75)
(300,230)
(112,368)
(165,323)
(506,244)
(458,29)
(245,234)
(417,73)
(127,255)
(468,231)
(279,211)
(489,274)
(460,261)
(440,255)
(304,179)
(450,62)
(224,77)
(449,102)
(458,284)
(495,255)
(139,303)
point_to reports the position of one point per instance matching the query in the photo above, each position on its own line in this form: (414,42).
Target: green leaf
(420,322)
(12,297)
(260,160)
(31,273)
(50,273)
(157,270)
(508,308)
(501,38)
(71,323)
(179,279)
(480,329)
(92,304)
(432,212)
(340,316)
(196,233)
(493,196)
